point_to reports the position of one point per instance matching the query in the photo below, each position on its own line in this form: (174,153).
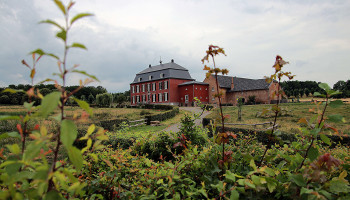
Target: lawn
(288,122)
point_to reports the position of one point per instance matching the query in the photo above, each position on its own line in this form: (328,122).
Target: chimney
(172,60)
(232,86)
(150,66)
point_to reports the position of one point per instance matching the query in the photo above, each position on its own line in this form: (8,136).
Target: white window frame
(160,86)
(150,77)
(154,97)
(161,75)
(138,99)
(133,99)
(132,89)
(160,97)
(212,89)
(140,79)
(165,85)
(143,87)
(144,98)
(154,86)
(148,87)
(165,96)
(137,88)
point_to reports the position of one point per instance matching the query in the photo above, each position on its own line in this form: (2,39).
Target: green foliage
(104,100)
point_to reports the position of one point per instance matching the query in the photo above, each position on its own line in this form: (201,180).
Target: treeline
(308,88)
(90,94)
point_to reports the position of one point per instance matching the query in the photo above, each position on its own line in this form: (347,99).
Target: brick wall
(194,90)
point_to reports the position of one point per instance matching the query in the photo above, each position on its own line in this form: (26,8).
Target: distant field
(288,123)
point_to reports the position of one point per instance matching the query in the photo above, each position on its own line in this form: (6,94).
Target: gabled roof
(163,71)
(193,83)
(242,84)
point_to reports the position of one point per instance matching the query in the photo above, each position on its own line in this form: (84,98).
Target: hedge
(111,124)
(162,116)
(262,136)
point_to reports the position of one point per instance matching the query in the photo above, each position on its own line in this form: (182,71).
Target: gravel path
(176,127)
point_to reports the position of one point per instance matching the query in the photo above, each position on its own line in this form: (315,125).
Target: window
(200,88)
(212,89)
(206,88)
(133,99)
(213,99)
(161,75)
(160,85)
(154,86)
(150,78)
(154,98)
(165,85)
(148,87)
(138,99)
(140,79)
(160,97)
(143,98)
(185,88)
(186,98)
(133,89)
(149,98)
(166,96)
(143,88)
(196,88)
(137,88)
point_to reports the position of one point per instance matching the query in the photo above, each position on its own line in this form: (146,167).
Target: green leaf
(86,74)
(298,179)
(325,87)
(234,195)
(312,154)
(75,157)
(14,148)
(38,51)
(53,55)
(336,118)
(332,92)
(317,94)
(325,139)
(60,6)
(230,176)
(10,134)
(84,105)
(53,195)
(69,133)
(79,16)
(48,21)
(62,34)
(252,164)
(9,117)
(78,45)
(49,103)
(32,150)
(336,104)
(339,186)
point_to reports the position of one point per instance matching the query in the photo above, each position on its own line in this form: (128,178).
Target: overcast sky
(124,37)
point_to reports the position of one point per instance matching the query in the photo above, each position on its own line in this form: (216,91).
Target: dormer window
(140,79)
(150,78)
(161,75)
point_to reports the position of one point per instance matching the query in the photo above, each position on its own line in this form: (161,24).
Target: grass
(287,123)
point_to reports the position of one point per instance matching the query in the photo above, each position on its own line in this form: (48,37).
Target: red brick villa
(172,84)
(167,83)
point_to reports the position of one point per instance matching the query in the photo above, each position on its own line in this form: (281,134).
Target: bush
(162,116)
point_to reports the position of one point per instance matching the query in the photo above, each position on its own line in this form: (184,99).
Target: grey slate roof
(169,70)
(242,84)
(193,82)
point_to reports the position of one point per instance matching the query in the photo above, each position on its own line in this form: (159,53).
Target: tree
(120,98)
(91,98)
(104,100)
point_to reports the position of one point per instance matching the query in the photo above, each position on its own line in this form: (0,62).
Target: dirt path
(176,127)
